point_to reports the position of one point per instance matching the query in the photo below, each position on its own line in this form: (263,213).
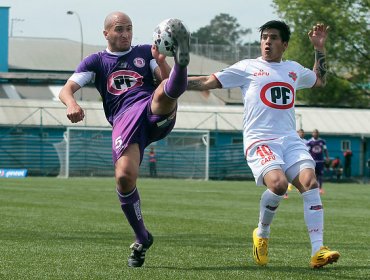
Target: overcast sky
(48,18)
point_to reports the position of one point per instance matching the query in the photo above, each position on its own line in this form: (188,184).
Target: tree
(347,48)
(222,30)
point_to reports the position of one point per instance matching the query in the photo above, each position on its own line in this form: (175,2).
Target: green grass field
(74,229)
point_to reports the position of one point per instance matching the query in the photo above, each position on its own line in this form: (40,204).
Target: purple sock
(177,82)
(130,204)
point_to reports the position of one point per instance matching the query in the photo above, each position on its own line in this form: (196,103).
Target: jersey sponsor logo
(317,149)
(120,81)
(122,65)
(293,75)
(139,62)
(260,73)
(278,95)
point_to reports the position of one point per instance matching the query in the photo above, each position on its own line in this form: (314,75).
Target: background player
(139,112)
(301,135)
(317,149)
(272,147)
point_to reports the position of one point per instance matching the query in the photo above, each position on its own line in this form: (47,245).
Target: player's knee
(278,186)
(126,180)
(310,184)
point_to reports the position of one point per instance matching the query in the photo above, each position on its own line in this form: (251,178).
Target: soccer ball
(163,39)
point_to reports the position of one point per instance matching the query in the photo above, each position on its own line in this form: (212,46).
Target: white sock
(268,206)
(314,218)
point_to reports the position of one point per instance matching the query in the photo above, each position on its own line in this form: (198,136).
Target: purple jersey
(120,80)
(316,148)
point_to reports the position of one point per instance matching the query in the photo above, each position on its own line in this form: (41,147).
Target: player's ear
(285,44)
(105,33)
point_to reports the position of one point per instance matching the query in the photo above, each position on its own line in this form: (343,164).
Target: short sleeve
(233,76)
(307,77)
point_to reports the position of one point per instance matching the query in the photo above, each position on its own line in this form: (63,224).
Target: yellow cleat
(323,257)
(260,249)
(290,187)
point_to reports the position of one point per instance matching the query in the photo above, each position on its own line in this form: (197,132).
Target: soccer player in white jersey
(272,147)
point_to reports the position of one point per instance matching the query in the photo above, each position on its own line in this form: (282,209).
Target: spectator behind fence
(347,163)
(152,163)
(336,167)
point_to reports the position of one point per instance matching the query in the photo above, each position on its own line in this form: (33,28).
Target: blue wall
(33,148)
(333,143)
(4,38)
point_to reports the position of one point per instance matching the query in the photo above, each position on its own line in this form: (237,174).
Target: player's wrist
(319,49)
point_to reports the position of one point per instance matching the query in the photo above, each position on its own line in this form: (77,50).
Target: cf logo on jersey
(317,149)
(120,81)
(278,95)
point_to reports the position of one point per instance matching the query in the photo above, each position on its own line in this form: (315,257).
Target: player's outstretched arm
(74,111)
(203,83)
(318,35)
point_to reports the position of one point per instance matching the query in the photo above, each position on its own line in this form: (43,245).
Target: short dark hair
(279,25)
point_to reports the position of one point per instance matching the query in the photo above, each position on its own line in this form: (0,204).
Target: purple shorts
(138,125)
(319,169)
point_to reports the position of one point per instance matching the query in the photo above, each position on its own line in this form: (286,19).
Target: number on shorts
(264,151)
(118,142)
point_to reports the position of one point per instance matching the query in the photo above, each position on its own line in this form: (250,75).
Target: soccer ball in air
(163,38)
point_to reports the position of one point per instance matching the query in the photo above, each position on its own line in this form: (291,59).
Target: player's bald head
(114,17)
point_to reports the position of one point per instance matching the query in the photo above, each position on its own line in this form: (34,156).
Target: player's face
(272,47)
(119,34)
(301,133)
(315,134)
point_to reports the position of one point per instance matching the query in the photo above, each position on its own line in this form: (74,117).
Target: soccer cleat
(290,187)
(323,257)
(181,37)
(137,257)
(260,249)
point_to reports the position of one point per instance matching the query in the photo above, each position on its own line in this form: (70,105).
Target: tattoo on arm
(320,65)
(195,85)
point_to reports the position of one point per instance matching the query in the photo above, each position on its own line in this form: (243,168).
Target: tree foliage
(223,30)
(347,47)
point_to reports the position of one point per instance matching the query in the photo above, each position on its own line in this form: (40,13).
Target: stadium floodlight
(81,32)
(82,36)
(12,24)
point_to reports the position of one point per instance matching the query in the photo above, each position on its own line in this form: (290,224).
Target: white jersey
(269,90)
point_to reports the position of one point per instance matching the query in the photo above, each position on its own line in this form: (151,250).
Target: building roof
(38,72)
(35,54)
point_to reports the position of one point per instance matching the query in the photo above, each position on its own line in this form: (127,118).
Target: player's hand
(318,35)
(160,58)
(75,113)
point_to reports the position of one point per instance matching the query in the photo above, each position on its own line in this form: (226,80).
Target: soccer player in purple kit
(317,149)
(139,112)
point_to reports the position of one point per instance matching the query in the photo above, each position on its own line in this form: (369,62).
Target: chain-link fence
(226,53)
